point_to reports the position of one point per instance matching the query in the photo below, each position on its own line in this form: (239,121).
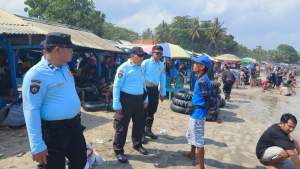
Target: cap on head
(203,60)
(157,47)
(57,39)
(137,51)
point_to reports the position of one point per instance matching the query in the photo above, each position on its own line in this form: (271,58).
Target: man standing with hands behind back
(156,86)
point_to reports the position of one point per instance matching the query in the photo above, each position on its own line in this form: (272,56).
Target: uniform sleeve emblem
(34,89)
(120,74)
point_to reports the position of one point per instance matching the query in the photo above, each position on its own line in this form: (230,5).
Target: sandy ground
(230,145)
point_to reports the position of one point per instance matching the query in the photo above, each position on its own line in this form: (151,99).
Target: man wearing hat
(52,107)
(156,86)
(200,101)
(128,102)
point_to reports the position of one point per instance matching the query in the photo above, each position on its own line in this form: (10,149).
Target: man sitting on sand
(276,145)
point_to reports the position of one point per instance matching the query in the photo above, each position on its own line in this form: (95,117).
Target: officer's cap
(137,51)
(57,39)
(157,47)
(205,60)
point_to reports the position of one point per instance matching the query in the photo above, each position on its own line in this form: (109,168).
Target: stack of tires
(181,101)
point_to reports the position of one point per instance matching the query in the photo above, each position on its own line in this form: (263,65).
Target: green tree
(214,35)
(180,30)
(162,32)
(79,13)
(288,53)
(113,32)
(147,34)
(195,32)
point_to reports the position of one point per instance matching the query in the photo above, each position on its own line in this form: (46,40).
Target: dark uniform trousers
(64,138)
(153,98)
(132,107)
(227,88)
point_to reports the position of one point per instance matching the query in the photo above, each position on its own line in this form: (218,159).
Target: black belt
(62,123)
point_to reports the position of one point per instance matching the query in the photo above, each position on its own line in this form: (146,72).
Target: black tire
(178,109)
(222,103)
(3,113)
(94,106)
(181,103)
(183,95)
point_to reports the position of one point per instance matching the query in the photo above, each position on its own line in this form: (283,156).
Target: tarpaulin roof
(12,24)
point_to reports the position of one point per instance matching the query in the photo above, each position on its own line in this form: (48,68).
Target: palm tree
(162,32)
(214,35)
(195,31)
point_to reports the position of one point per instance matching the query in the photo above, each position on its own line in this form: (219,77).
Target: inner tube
(178,109)
(95,106)
(184,95)
(3,113)
(181,103)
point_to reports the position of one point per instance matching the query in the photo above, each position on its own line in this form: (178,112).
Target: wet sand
(230,145)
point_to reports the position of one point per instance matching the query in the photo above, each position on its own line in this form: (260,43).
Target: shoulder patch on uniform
(36,81)
(34,88)
(120,74)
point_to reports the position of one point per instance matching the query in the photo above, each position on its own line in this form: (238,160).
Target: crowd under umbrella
(228,58)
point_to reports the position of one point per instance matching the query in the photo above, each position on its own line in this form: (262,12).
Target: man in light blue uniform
(128,102)
(200,101)
(155,77)
(52,106)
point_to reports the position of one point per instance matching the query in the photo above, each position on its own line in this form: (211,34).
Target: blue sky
(252,22)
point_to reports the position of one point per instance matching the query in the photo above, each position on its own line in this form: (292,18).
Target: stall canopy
(174,51)
(228,58)
(248,60)
(199,55)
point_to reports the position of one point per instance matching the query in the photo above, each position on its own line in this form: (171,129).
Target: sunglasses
(158,53)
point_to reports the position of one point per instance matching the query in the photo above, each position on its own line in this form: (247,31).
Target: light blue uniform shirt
(154,72)
(129,79)
(48,93)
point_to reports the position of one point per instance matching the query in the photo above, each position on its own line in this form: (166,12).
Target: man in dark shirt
(276,145)
(228,81)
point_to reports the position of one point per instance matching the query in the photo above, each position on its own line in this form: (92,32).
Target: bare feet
(189,155)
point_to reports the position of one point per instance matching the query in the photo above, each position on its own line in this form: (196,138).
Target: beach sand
(229,145)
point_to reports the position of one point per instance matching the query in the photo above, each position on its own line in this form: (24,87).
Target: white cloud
(145,18)
(215,7)
(13,6)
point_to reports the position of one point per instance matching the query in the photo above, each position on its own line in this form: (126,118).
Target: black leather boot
(148,130)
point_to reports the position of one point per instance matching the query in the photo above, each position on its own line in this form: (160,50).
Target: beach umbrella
(248,60)
(174,51)
(228,58)
(147,49)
